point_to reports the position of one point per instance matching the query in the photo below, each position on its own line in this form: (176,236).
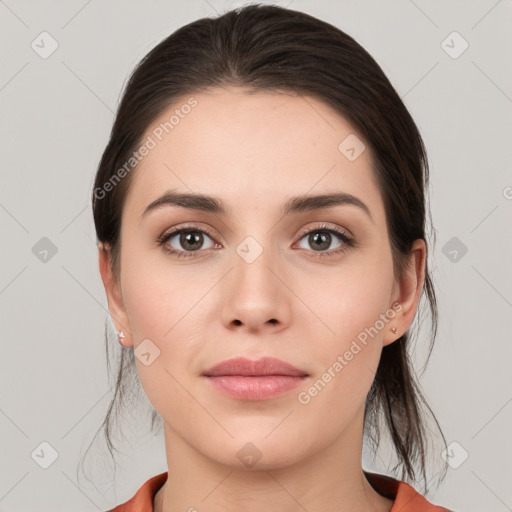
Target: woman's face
(256,280)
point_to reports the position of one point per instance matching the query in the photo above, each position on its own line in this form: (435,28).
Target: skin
(254,152)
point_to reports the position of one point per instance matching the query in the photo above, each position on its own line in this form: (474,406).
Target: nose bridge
(256,294)
(252,262)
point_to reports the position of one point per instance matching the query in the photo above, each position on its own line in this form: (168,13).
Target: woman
(260,213)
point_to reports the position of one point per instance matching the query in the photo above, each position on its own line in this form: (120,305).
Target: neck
(330,479)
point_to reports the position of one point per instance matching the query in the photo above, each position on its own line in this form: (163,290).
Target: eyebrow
(296,204)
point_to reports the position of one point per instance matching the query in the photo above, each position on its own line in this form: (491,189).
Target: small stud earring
(394,330)
(121,336)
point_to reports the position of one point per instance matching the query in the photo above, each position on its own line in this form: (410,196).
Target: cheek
(347,358)
(353,303)
(157,296)
(163,306)
(350,299)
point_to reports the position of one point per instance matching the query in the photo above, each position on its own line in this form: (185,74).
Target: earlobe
(407,292)
(114,295)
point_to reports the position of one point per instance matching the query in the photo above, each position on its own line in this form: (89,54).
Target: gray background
(56,114)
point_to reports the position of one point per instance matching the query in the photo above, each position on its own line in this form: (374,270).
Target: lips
(244,379)
(265,366)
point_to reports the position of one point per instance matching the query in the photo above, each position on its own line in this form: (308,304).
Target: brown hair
(264,47)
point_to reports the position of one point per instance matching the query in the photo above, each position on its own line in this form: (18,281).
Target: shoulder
(405,497)
(409,499)
(142,501)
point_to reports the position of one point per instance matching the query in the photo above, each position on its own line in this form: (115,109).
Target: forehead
(257,147)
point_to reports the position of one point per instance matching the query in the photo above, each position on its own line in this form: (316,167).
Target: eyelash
(348,242)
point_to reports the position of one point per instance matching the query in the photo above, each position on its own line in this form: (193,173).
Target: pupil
(187,239)
(324,240)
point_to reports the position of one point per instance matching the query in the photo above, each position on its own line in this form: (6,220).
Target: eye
(185,241)
(321,238)
(189,241)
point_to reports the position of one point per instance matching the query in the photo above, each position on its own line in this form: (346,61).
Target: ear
(114,294)
(407,292)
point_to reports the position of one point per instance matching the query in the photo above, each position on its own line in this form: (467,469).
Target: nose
(255,296)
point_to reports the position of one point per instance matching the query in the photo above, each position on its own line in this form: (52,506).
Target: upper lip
(247,367)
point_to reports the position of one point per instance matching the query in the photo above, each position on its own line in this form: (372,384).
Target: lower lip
(255,388)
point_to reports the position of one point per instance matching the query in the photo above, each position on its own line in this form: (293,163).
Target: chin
(256,450)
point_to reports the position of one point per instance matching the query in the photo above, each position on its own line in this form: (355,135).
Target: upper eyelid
(176,231)
(324,227)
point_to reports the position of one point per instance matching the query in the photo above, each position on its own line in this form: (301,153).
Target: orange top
(406,498)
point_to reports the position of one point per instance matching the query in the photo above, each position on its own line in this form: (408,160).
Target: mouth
(266,366)
(244,379)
